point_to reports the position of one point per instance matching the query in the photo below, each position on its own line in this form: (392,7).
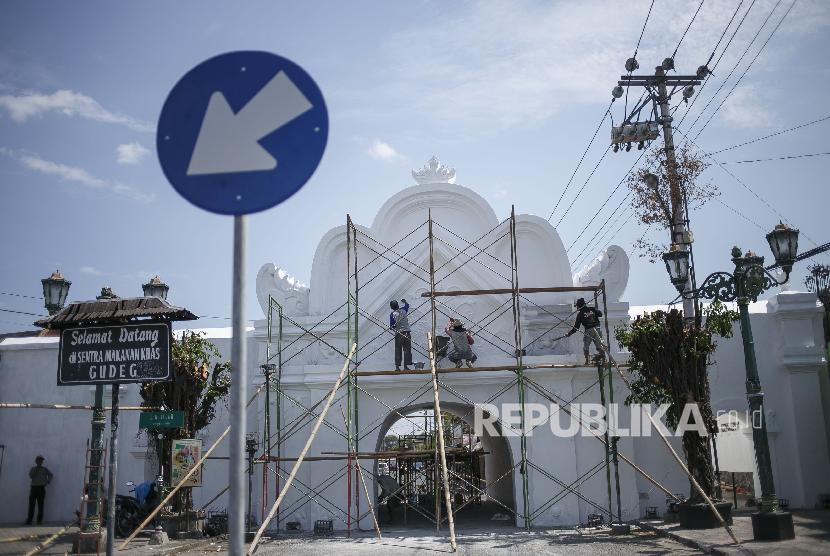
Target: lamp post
(96,449)
(267,369)
(155,288)
(745,284)
(251,446)
(819,282)
(55,290)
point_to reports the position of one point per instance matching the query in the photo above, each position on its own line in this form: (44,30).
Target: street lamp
(783,241)
(55,290)
(251,446)
(745,284)
(155,288)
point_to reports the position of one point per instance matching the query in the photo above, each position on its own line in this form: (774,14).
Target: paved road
(416,543)
(535,543)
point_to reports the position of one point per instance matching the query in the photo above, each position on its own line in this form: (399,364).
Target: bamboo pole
(187,476)
(441,452)
(622,456)
(65,406)
(677,458)
(365,488)
(48,541)
(299,461)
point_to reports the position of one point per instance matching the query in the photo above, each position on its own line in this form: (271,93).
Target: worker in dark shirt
(588,318)
(40,477)
(399,324)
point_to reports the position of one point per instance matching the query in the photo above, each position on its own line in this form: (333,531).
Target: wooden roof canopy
(115,311)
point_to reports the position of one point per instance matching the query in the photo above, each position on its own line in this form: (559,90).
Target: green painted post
(96,458)
(755,397)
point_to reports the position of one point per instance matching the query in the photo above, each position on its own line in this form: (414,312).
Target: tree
(668,365)
(653,206)
(199,382)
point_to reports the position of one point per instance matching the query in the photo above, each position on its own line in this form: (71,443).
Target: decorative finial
(434,172)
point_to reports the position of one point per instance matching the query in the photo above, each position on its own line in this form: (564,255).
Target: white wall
(788,345)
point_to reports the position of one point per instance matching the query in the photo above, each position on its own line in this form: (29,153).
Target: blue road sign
(242,132)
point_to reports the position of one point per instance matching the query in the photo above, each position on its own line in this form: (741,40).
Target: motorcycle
(130,511)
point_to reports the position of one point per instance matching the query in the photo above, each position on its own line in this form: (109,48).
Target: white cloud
(744,108)
(90,270)
(75,175)
(131,153)
(469,72)
(383,151)
(70,103)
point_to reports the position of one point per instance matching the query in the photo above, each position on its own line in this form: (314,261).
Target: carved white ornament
(285,289)
(612,266)
(434,172)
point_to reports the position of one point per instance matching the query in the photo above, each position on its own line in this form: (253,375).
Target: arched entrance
(481,470)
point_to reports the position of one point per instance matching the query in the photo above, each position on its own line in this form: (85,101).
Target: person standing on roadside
(40,476)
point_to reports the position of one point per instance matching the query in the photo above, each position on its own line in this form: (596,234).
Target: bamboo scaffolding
(353,315)
(442,449)
(365,488)
(498,291)
(184,479)
(65,406)
(694,482)
(299,461)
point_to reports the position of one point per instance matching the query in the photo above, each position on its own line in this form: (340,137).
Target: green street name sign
(161,420)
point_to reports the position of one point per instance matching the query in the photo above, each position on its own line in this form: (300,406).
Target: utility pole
(659,95)
(680,233)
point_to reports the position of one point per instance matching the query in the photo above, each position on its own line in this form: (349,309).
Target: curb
(691,543)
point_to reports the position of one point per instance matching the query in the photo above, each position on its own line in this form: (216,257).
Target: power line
(648,15)
(807,254)
(22,313)
(608,198)
(725,48)
(589,244)
(578,193)
(745,186)
(636,50)
(581,259)
(591,142)
(689,26)
(748,67)
(725,29)
(737,63)
(21,295)
(586,250)
(741,214)
(769,136)
(791,157)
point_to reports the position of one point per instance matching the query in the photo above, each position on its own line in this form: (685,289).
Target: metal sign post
(238,134)
(239,393)
(112,486)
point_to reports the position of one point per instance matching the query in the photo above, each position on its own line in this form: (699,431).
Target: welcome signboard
(114,354)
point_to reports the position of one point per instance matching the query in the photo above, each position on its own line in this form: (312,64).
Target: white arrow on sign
(228,142)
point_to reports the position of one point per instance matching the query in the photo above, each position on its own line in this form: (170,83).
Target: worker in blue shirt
(399,324)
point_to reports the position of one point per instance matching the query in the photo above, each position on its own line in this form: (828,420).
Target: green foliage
(667,356)
(199,383)
(654,206)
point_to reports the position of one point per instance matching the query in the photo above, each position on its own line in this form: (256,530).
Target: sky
(508,93)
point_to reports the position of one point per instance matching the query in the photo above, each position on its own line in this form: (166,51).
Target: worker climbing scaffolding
(588,318)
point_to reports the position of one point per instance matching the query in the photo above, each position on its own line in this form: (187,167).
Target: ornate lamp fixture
(155,288)
(677,265)
(783,241)
(819,281)
(55,290)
